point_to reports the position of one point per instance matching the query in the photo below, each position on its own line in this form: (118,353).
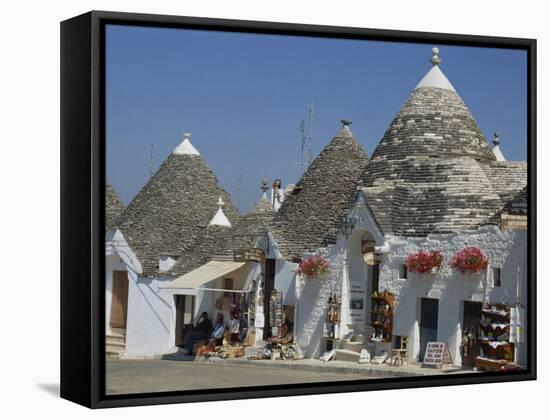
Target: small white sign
(259,321)
(437,354)
(364,357)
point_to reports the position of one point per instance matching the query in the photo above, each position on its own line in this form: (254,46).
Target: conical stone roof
(311,215)
(222,241)
(113,207)
(172,209)
(435,123)
(429,173)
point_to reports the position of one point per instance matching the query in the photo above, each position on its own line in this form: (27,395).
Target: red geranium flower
(312,267)
(424,261)
(470,259)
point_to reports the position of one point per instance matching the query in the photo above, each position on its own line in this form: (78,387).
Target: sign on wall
(437,354)
(513,221)
(357,302)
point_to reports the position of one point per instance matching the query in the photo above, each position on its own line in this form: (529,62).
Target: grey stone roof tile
(113,207)
(310,216)
(218,241)
(172,209)
(434,172)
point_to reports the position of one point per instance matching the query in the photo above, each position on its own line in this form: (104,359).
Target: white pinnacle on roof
(185,147)
(264,188)
(435,77)
(220,219)
(345,128)
(496,150)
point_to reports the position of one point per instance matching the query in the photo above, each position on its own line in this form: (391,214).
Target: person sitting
(199,332)
(235,327)
(216,338)
(285,333)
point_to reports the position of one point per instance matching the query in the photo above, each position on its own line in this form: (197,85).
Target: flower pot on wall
(314,268)
(469,260)
(424,262)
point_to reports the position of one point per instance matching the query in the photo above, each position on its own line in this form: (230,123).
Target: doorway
(269,285)
(375,277)
(470,330)
(185,308)
(119,302)
(429,312)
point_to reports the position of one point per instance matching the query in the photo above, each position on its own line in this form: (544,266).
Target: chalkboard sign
(437,354)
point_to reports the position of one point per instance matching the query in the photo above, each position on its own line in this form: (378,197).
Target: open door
(470,328)
(268,288)
(119,304)
(185,308)
(429,312)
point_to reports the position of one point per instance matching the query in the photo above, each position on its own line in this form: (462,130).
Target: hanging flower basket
(314,267)
(469,260)
(424,262)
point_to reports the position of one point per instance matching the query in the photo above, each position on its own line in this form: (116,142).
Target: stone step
(118,331)
(359,338)
(114,348)
(112,355)
(354,346)
(115,345)
(343,355)
(115,338)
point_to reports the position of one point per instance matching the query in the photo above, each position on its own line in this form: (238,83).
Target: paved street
(131,376)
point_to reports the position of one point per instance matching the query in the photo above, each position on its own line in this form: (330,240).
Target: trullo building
(433,183)
(161,224)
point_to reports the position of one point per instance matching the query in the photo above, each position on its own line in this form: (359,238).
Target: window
(227,285)
(496,276)
(403,271)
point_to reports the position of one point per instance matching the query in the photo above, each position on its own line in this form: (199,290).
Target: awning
(212,270)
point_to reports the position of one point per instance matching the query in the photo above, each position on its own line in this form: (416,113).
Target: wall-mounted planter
(424,262)
(470,260)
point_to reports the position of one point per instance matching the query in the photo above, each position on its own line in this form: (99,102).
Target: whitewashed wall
(150,329)
(118,256)
(347,267)
(150,319)
(505,249)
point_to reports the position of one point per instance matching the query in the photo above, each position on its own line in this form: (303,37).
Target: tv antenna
(303,145)
(239,185)
(310,140)
(151,150)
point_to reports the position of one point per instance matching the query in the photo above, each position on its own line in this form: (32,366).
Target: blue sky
(242,96)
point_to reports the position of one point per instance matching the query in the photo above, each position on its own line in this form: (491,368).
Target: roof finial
(496,138)
(220,218)
(185,147)
(435,57)
(265,185)
(345,123)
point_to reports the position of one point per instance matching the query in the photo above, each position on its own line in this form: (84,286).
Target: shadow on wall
(311,318)
(147,283)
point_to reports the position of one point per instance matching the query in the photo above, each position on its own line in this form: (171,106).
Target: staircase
(115,343)
(350,351)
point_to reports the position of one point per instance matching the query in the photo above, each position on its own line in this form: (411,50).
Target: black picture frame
(83,203)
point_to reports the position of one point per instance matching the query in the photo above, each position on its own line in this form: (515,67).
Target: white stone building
(171,254)
(433,183)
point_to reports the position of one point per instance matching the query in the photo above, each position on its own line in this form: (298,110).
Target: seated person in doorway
(235,327)
(285,332)
(216,338)
(200,332)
